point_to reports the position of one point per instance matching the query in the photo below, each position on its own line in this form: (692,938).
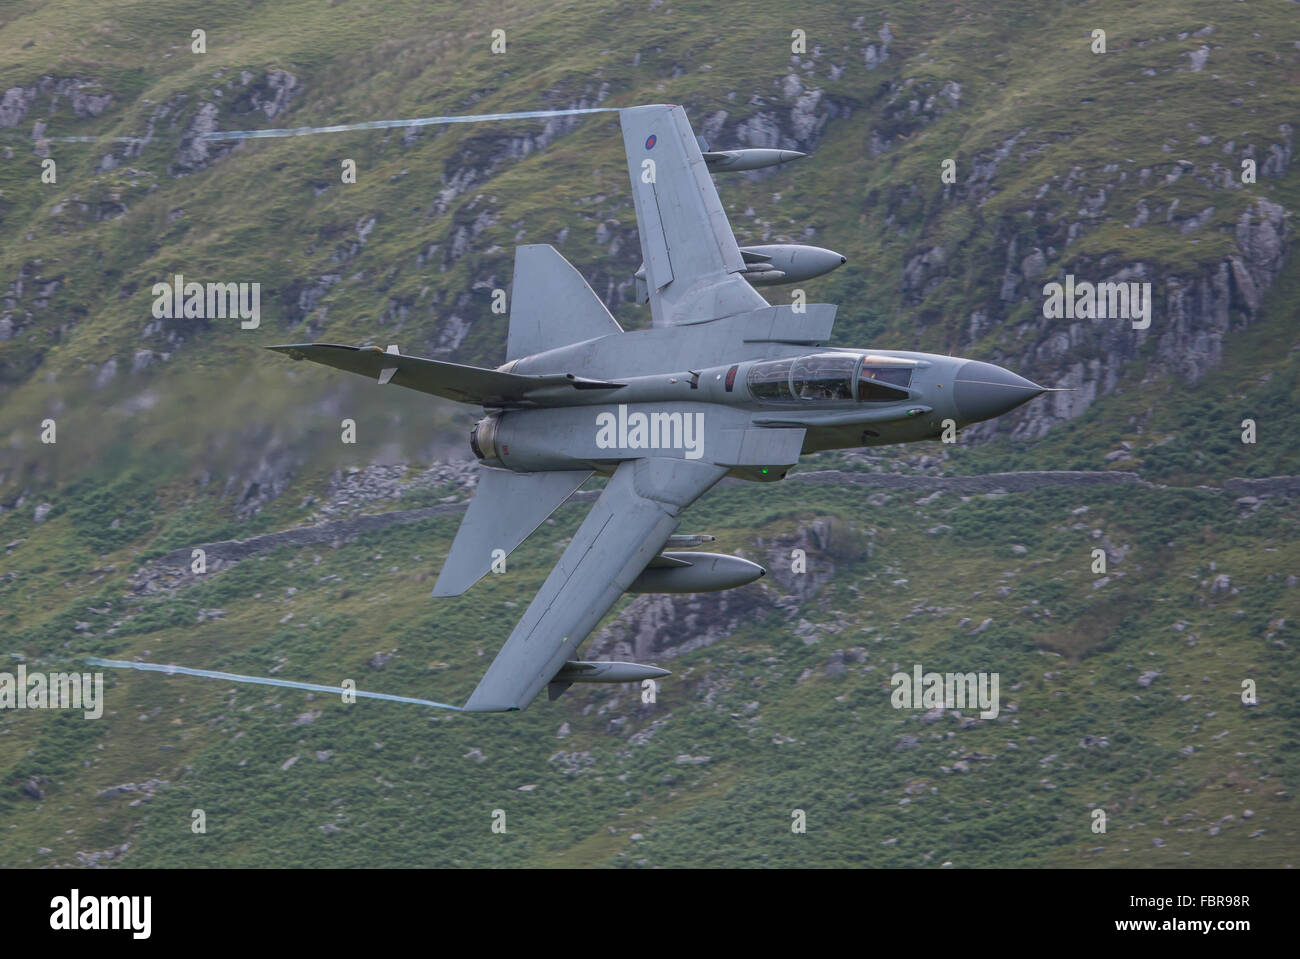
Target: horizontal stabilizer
(505,510)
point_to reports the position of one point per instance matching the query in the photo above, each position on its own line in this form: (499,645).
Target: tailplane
(505,510)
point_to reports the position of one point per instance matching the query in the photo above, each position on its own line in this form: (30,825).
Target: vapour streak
(260,680)
(398,124)
(89,139)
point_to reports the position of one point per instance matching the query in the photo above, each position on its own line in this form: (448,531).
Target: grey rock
(106,374)
(15,104)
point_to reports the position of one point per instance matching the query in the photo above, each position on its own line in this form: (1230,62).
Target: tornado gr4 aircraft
(723,384)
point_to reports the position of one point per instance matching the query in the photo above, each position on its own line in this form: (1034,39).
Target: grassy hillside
(413,250)
(744,732)
(175,433)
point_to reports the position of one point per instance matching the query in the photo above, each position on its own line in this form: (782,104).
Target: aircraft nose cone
(787,156)
(827,260)
(983,391)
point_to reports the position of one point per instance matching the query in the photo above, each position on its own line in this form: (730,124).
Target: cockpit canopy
(829,377)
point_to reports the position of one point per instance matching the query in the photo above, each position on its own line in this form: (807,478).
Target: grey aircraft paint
(722,384)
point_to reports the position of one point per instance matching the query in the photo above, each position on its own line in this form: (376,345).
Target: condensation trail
(344,127)
(89,139)
(261,681)
(398,124)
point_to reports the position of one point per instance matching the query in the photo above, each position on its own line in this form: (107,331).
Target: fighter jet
(722,383)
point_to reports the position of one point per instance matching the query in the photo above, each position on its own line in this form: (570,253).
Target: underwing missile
(787,263)
(732,161)
(695,573)
(770,264)
(687,540)
(575,671)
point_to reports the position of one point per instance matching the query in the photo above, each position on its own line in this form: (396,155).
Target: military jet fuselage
(724,383)
(840,398)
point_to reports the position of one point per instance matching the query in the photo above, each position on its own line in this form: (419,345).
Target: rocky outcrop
(910,106)
(1193,316)
(819,544)
(14,105)
(795,121)
(85,97)
(660,626)
(468,223)
(482,153)
(1261,235)
(195,152)
(268,94)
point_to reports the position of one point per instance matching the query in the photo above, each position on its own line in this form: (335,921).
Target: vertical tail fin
(551,304)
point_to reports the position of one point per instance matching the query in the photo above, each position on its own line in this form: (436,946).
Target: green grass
(157,460)
(400,790)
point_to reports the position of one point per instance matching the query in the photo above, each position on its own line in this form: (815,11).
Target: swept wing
(626,528)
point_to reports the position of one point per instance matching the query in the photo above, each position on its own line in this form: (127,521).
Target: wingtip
(445,587)
(292,350)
